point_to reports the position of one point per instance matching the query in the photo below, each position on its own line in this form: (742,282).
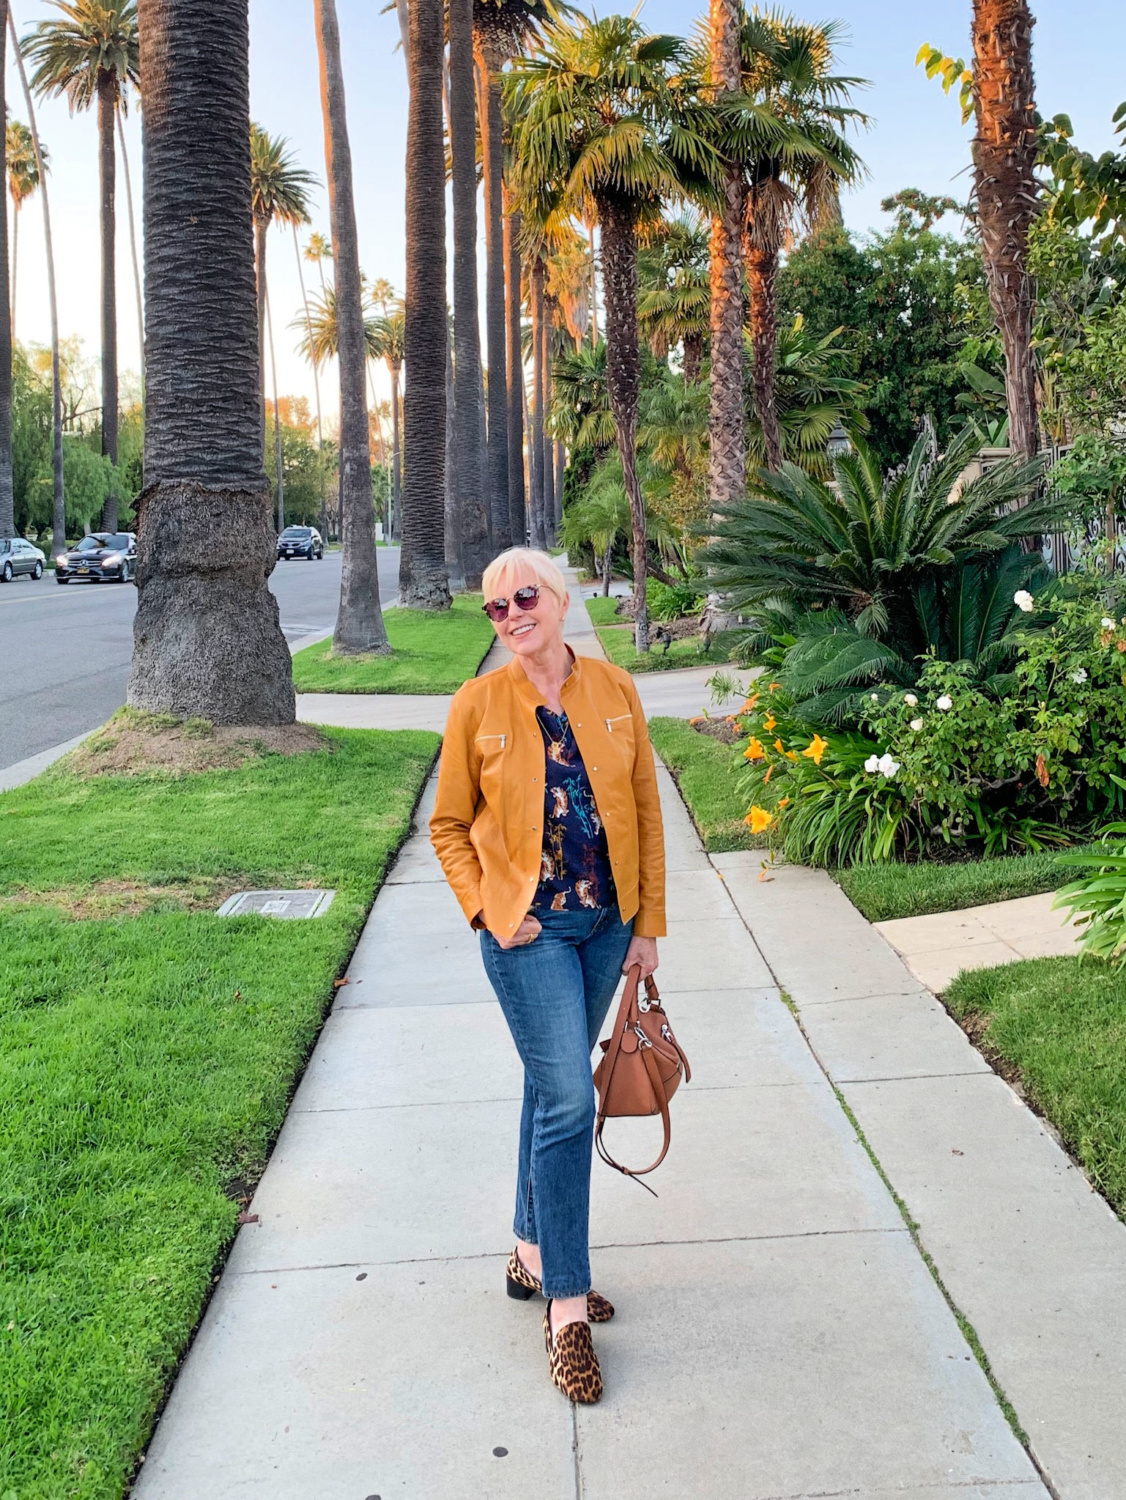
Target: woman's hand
(526,933)
(643,951)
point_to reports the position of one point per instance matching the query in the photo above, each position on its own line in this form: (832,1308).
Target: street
(66,650)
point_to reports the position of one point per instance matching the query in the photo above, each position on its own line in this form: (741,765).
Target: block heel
(518,1290)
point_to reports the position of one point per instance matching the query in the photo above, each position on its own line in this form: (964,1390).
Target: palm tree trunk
(539,518)
(207,637)
(466,476)
(133,246)
(623,380)
(107,178)
(396,455)
(762,277)
(727,423)
(15,230)
(517,502)
(279,471)
(359,622)
(560,472)
(7,498)
(423,580)
(694,353)
(552,497)
(58,492)
(593,287)
(261,230)
(1005,187)
(492,137)
(455,567)
(316,374)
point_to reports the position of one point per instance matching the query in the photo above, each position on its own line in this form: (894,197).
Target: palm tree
(279,191)
(813,395)
(133,247)
(316,372)
(581,415)
(787,68)
(675,298)
(390,336)
(540,535)
(1006,193)
(23,179)
(58,490)
(359,623)
(90,54)
(7,498)
(500,27)
(514,359)
(317,251)
(207,639)
(466,477)
(423,578)
(728,438)
(602,122)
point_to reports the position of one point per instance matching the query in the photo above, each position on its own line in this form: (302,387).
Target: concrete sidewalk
(778,1334)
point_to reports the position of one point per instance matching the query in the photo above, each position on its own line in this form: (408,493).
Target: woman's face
(526,632)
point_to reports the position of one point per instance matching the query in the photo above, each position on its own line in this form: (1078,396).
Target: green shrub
(673,601)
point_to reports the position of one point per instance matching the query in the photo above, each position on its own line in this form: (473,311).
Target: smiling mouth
(523,629)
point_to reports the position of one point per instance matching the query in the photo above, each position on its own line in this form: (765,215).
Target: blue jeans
(555,993)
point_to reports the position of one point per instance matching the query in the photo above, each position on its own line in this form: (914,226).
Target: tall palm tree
(540,536)
(7,499)
(603,122)
(466,477)
(317,251)
(500,28)
(316,372)
(138,292)
(207,639)
(728,448)
(514,359)
(279,193)
(1006,193)
(423,579)
(390,333)
(551,500)
(787,68)
(58,490)
(23,179)
(90,54)
(359,623)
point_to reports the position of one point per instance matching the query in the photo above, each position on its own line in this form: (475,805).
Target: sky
(915,139)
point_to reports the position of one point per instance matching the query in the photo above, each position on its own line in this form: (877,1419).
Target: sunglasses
(527,598)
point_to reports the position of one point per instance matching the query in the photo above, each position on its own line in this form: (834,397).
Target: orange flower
(759,818)
(785,802)
(816,749)
(769,774)
(772,686)
(791,755)
(780,747)
(749,705)
(754,750)
(769,722)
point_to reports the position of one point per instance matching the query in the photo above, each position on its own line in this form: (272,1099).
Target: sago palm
(605,125)
(90,55)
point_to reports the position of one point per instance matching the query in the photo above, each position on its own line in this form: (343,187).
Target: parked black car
(19,556)
(301,541)
(107,555)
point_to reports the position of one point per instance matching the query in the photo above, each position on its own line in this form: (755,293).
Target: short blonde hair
(513,569)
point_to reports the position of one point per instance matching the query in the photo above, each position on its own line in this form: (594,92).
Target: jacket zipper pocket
(617,719)
(501,737)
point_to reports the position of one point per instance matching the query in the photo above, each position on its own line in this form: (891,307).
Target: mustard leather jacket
(487,826)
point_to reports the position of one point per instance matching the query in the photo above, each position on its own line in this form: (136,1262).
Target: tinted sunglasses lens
(526,598)
(496,609)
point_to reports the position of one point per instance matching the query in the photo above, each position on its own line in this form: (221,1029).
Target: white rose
(887,767)
(916,725)
(1023,600)
(1107,623)
(910,700)
(1080,675)
(944,702)
(872,764)
(875,697)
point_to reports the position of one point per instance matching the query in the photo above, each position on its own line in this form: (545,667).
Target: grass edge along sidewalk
(148,1051)
(704,770)
(431,652)
(1055,1026)
(616,639)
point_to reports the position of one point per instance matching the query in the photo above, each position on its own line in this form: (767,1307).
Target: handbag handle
(629,999)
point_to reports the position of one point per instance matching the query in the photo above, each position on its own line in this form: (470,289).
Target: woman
(548,827)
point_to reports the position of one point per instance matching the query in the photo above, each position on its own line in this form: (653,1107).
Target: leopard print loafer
(522,1285)
(572,1361)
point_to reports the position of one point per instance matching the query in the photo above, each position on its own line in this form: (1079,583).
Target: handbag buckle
(642,1039)
(645,1004)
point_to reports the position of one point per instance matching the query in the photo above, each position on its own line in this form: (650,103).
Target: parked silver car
(19,556)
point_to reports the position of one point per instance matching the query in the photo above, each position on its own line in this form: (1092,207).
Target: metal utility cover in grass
(289,905)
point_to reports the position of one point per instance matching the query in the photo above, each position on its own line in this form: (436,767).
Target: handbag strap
(659,1095)
(629,999)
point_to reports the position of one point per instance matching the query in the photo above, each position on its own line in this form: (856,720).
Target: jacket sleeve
(650,919)
(455,808)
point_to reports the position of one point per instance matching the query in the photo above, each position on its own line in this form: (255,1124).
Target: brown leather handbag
(641,1068)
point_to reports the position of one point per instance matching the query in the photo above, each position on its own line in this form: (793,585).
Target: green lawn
(704,770)
(1061,1024)
(617,642)
(146,1059)
(432,653)
(602,611)
(901,890)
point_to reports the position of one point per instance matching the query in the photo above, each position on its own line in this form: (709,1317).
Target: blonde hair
(514,568)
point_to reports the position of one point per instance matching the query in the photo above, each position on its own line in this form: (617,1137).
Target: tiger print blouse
(575,871)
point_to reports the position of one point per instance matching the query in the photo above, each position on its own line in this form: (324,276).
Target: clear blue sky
(916,139)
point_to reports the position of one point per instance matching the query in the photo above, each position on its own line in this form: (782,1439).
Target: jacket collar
(528,690)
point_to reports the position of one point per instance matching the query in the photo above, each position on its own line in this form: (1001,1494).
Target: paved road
(64,652)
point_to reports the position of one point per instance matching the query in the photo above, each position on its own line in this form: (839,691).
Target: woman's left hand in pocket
(643,951)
